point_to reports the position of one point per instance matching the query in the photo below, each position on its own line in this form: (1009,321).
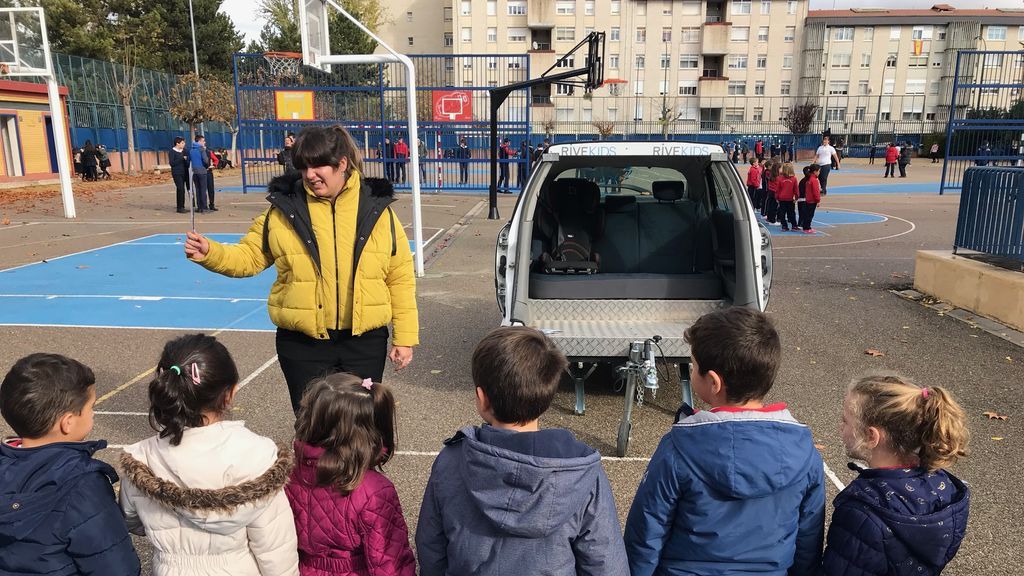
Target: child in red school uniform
(753,180)
(786,194)
(771,204)
(812,198)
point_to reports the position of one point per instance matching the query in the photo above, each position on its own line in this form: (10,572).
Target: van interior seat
(652,248)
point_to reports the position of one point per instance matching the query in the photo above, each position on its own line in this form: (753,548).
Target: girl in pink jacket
(347,514)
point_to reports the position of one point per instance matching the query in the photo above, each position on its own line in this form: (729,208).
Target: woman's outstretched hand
(400,356)
(197,247)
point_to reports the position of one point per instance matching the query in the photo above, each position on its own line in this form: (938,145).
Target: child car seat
(574,208)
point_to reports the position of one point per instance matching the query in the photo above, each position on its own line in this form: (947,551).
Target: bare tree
(189,103)
(220,99)
(669,115)
(126,81)
(605,128)
(799,118)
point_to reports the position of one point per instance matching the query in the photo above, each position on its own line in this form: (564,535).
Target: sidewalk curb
(994,328)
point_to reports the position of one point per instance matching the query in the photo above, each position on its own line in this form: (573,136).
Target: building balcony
(540,14)
(715,38)
(712,87)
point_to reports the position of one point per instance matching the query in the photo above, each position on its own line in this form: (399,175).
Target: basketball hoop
(283,64)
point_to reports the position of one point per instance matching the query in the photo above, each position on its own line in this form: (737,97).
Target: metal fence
(986,126)
(991,218)
(370,101)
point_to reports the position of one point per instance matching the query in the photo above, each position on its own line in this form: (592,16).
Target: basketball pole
(413,127)
(60,128)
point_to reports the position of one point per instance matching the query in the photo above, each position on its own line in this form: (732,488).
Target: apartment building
(882,66)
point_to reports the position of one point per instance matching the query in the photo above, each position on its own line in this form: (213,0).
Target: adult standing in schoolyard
(934,151)
(178,160)
(904,159)
(892,154)
(344,268)
(824,156)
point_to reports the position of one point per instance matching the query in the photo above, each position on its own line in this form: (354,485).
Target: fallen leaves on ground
(874,353)
(992,415)
(27,197)
(6,222)
(436,371)
(997,438)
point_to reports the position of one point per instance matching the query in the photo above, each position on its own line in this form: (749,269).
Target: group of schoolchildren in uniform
(780,197)
(737,488)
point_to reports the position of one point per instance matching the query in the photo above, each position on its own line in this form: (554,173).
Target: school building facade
(27,147)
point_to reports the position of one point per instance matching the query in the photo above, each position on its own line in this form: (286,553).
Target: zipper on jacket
(337,272)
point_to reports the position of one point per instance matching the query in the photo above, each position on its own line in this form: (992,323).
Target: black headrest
(575,193)
(668,190)
(619,203)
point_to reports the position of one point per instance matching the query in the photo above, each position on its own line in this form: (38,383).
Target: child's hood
(527,484)
(926,511)
(220,478)
(746,454)
(35,481)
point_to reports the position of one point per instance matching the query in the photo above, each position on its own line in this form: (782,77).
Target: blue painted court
(825,219)
(142,283)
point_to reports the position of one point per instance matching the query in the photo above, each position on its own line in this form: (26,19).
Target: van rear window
(625,180)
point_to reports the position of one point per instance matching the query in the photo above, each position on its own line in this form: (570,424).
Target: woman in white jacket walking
(207,492)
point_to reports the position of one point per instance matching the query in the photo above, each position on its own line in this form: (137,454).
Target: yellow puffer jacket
(302,299)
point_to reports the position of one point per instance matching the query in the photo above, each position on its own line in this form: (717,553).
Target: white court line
(23,224)
(832,476)
(257,372)
(66,238)
(133,297)
(77,253)
(890,237)
(872,258)
(170,328)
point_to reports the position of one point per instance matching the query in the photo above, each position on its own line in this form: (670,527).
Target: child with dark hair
(905,514)
(738,488)
(812,198)
(771,204)
(509,497)
(753,180)
(347,514)
(58,513)
(786,194)
(801,200)
(207,492)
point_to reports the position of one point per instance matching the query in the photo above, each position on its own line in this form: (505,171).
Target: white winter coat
(214,505)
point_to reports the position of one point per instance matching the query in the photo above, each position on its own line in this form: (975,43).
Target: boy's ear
(717,384)
(483,404)
(65,423)
(873,437)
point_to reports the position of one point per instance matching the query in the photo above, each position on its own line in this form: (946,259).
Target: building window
(759,88)
(937,60)
(687,87)
(449,64)
(911,115)
(790,34)
(689,35)
(741,6)
(758,115)
(740,34)
(762,34)
(843,34)
(564,89)
(613,114)
(666,61)
(638,88)
(588,8)
(639,62)
(492,7)
(613,62)
(447,13)
(641,9)
(615,90)
(863,87)
(563,114)
(666,34)
(839,87)
(408,16)
(918,62)
(517,34)
(465,7)
(890,61)
(783,114)
(993,60)
(787,61)
(515,65)
(565,34)
(616,7)
(662,87)
(995,33)
(492,34)
(933,88)
(791,9)
(613,34)
(785,88)
(869,33)
(762,61)
(836,114)
(411,40)
(738,62)
(921,33)
(565,8)
(766,6)
(1018,62)
(666,10)
(737,88)
(841,60)
(448,39)
(888,87)
(860,114)
(940,33)
(929,116)
(688,62)
(641,35)
(516,8)
(894,32)
(492,63)
(467,35)
(734,114)
(588,115)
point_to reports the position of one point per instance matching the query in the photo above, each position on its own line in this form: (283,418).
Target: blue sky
(249,24)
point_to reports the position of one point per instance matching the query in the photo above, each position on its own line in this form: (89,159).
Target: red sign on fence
(453,105)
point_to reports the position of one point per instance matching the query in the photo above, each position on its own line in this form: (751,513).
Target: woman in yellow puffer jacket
(344,268)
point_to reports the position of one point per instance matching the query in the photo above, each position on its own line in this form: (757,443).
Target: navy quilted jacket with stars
(361,534)
(896,522)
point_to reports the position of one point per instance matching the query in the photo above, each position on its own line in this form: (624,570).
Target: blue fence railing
(991,218)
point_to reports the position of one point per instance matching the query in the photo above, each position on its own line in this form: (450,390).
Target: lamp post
(982,79)
(195,60)
(878,108)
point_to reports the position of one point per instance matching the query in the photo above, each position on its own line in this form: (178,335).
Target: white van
(615,248)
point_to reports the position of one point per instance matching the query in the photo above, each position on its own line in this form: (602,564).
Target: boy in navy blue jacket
(58,514)
(508,497)
(737,489)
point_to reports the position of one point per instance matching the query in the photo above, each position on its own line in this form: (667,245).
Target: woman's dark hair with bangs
(326,146)
(354,426)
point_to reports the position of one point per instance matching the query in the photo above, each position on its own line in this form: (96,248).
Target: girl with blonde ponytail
(904,514)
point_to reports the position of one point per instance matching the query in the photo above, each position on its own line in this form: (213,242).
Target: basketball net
(283,64)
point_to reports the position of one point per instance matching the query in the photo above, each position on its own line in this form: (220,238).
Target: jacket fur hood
(199,500)
(291,183)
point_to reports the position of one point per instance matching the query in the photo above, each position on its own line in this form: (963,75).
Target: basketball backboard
(315,37)
(22,38)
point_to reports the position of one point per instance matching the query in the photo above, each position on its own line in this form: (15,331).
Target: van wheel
(622,444)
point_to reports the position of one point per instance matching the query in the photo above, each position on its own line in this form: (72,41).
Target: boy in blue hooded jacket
(739,488)
(508,497)
(58,515)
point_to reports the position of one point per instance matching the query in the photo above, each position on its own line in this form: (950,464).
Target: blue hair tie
(176,370)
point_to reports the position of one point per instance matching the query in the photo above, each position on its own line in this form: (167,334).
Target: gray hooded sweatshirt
(501,502)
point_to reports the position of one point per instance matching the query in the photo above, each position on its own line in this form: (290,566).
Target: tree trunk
(129,124)
(234,142)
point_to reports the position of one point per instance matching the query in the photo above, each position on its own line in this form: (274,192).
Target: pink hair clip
(195,374)
(924,392)
(367,383)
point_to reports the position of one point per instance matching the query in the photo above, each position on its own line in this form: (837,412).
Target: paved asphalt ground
(831,301)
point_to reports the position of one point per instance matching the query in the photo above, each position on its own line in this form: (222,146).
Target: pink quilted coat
(361,534)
